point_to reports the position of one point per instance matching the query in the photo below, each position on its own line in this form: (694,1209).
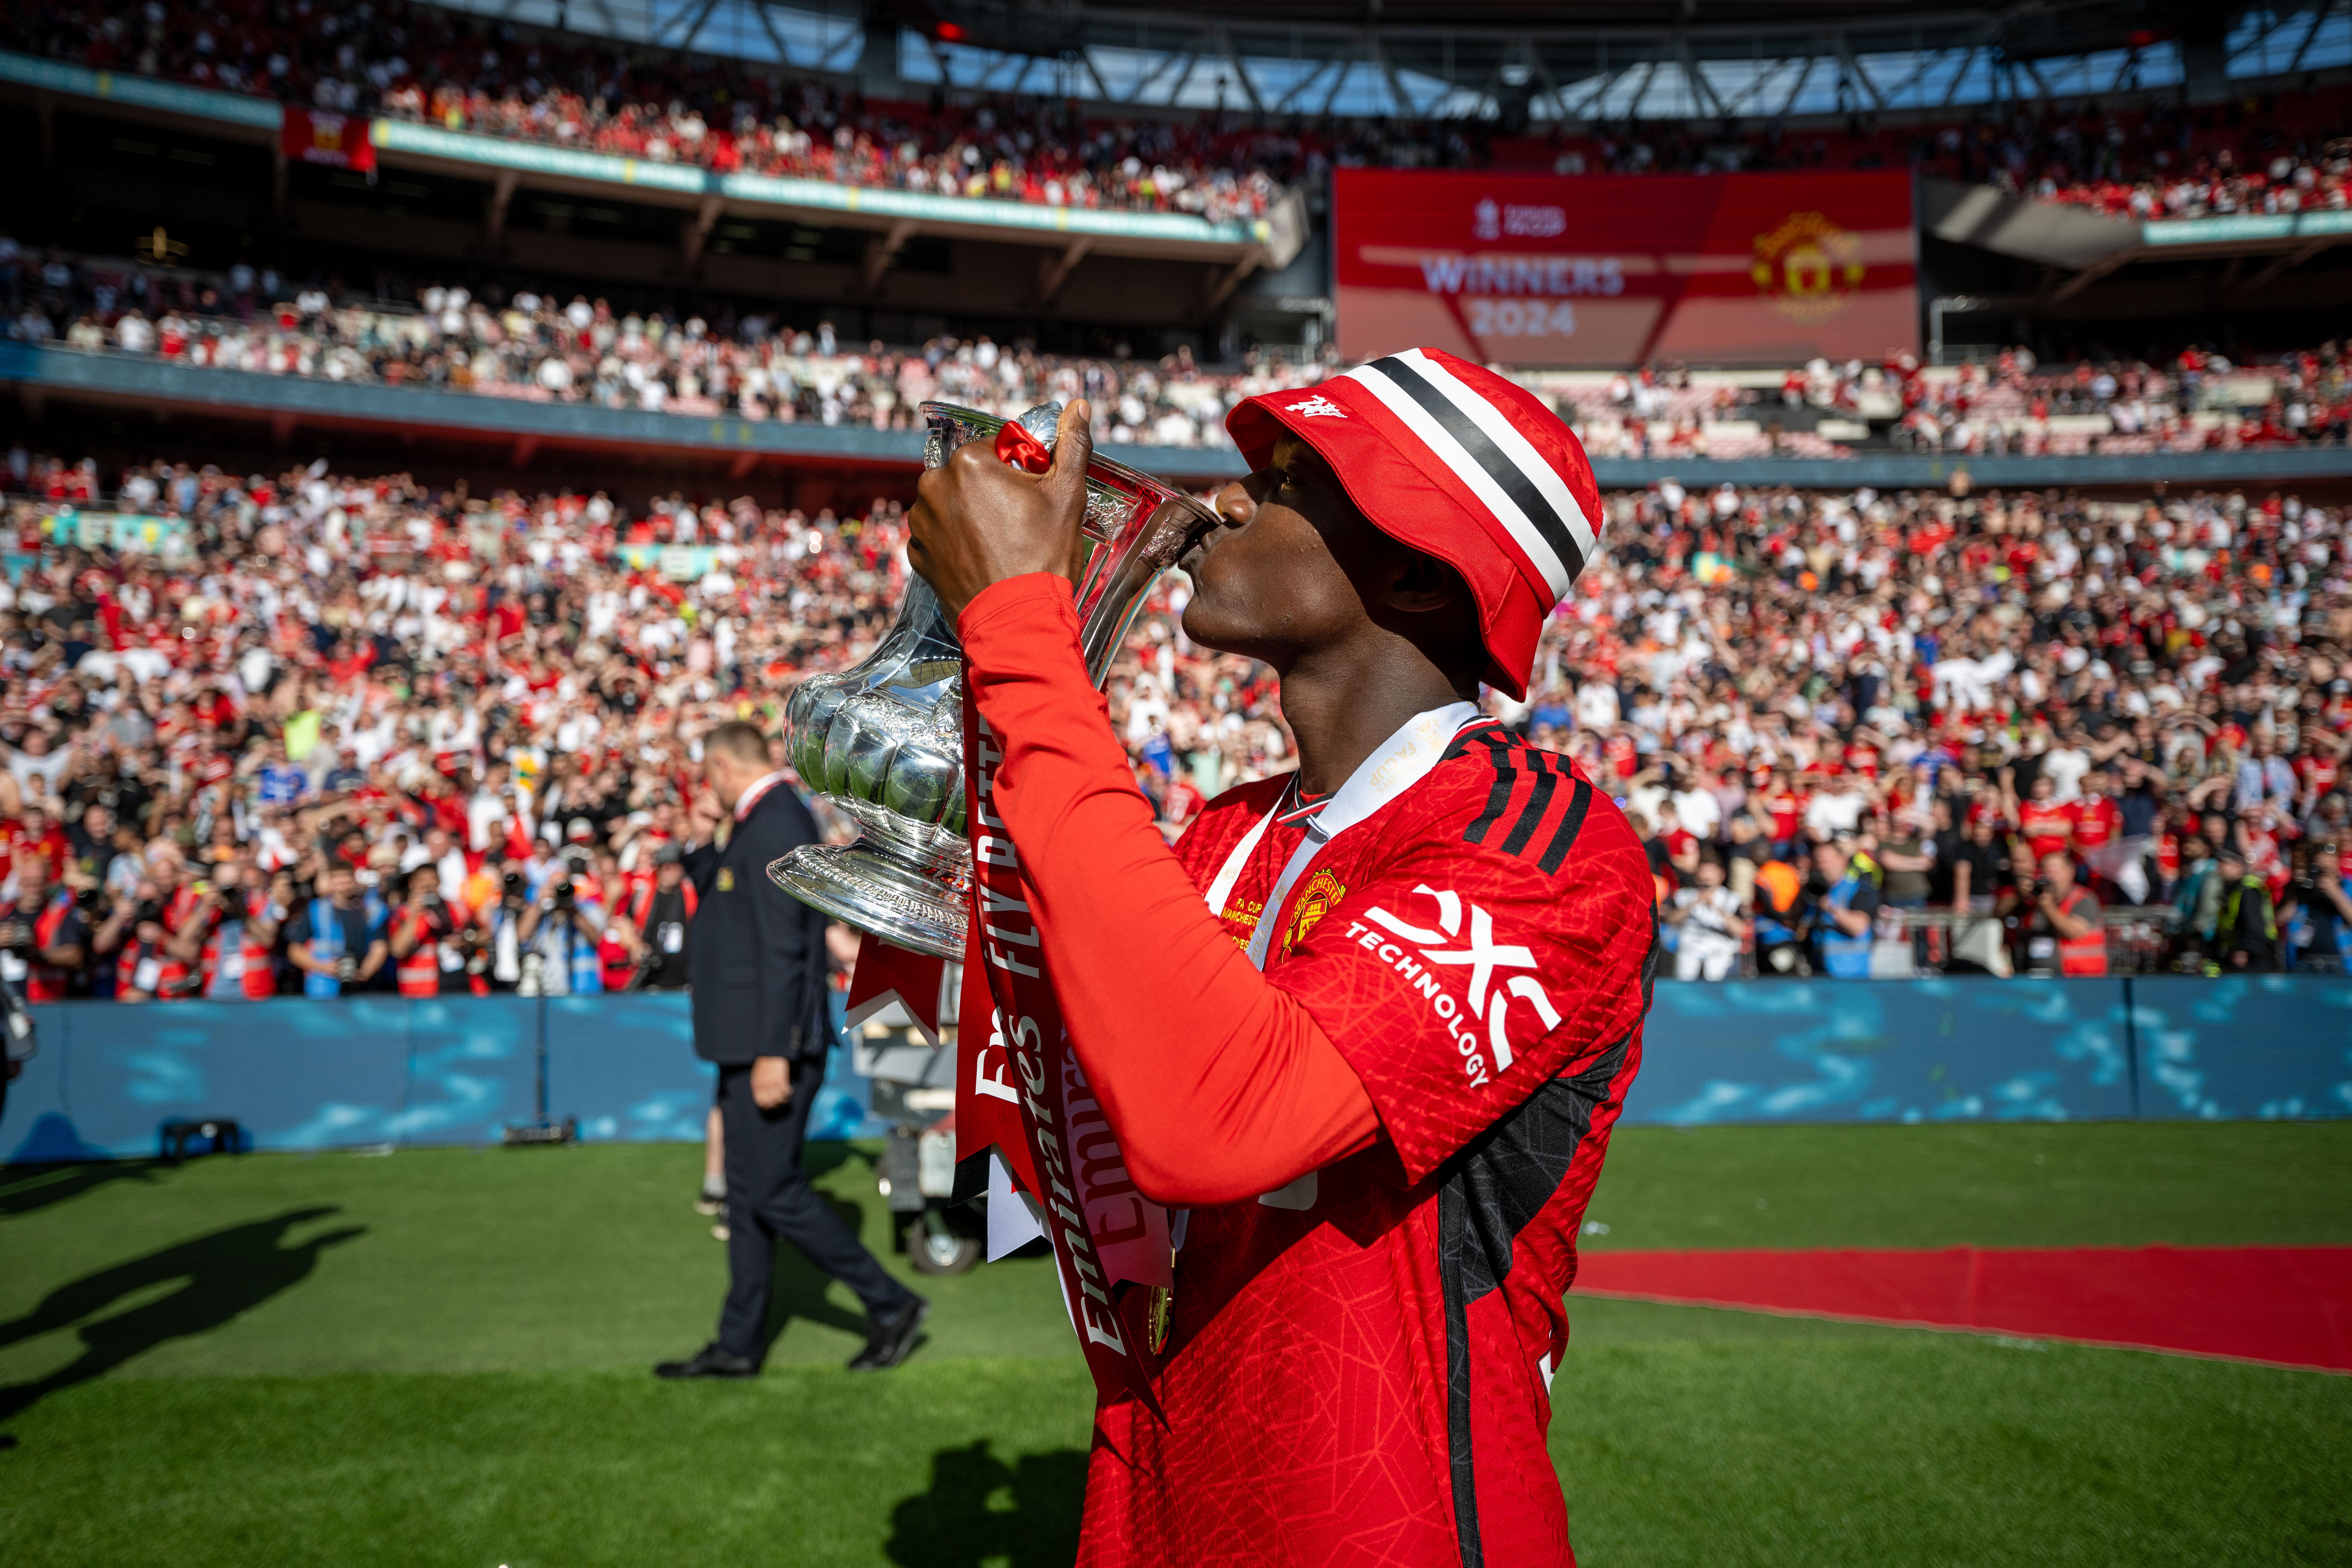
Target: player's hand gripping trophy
(884,739)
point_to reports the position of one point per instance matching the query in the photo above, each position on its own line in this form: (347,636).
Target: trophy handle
(1139,525)
(879,739)
(1118,580)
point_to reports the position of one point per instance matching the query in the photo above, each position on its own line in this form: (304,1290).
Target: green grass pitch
(441,1358)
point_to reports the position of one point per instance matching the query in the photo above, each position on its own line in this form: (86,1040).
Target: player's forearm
(1220,1085)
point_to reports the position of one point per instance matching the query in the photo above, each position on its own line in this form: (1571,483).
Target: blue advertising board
(2260,1046)
(1904,1051)
(377,1071)
(392,1072)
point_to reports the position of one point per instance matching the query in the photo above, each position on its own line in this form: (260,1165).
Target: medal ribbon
(1402,760)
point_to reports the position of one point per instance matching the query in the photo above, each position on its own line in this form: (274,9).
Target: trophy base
(923,911)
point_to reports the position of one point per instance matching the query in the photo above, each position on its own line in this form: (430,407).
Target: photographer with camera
(147,968)
(1842,911)
(425,935)
(558,933)
(235,929)
(2245,927)
(2330,900)
(663,914)
(337,939)
(43,936)
(2066,931)
(497,963)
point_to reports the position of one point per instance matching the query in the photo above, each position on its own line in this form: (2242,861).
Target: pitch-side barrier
(390,1072)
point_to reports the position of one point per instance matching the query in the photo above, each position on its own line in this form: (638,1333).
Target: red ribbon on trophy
(1020,1089)
(885,973)
(1017,449)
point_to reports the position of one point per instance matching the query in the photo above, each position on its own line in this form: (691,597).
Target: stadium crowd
(2165,162)
(421,62)
(543,347)
(2283,154)
(331,734)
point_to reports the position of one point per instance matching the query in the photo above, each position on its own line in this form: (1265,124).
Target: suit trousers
(769,1196)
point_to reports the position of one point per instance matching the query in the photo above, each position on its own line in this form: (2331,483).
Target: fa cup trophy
(884,739)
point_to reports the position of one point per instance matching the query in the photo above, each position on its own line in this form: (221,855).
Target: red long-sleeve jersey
(1449,1015)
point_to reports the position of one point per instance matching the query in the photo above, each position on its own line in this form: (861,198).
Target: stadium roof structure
(1517,61)
(1231,250)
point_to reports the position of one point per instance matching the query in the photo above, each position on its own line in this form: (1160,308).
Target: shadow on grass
(24,1189)
(797,1288)
(224,1274)
(980,1508)
(819,1159)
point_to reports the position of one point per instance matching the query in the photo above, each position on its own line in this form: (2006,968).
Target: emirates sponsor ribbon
(1025,1093)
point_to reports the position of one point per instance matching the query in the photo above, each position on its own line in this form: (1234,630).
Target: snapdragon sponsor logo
(1491,992)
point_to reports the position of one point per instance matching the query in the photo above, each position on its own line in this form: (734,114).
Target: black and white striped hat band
(1478,443)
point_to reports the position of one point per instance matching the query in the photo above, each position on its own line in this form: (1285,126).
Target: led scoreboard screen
(1620,269)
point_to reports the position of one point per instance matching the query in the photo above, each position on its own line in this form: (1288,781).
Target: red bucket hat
(1453,459)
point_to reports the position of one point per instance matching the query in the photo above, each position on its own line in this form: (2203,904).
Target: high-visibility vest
(419,974)
(643,904)
(170,975)
(47,982)
(251,970)
(2082,955)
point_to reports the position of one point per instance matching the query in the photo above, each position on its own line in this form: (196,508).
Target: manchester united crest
(1322,891)
(1808,267)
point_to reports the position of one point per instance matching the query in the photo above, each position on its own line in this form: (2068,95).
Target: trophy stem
(923,909)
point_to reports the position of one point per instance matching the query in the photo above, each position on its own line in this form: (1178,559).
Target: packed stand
(344,734)
(2289,155)
(1868,735)
(2009,404)
(426,63)
(2283,154)
(2012,404)
(545,348)
(339,736)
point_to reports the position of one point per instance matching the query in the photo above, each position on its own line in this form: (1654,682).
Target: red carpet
(2291,1306)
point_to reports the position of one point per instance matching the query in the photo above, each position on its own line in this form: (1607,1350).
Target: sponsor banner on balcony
(143,93)
(401,136)
(319,136)
(124,532)
(1541,269)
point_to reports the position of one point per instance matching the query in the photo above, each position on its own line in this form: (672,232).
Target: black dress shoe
(888,1339)
(710,1361)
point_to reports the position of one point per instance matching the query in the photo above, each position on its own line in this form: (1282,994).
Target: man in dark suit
(761,1013)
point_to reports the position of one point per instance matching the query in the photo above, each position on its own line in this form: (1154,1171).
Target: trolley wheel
(933,1248)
